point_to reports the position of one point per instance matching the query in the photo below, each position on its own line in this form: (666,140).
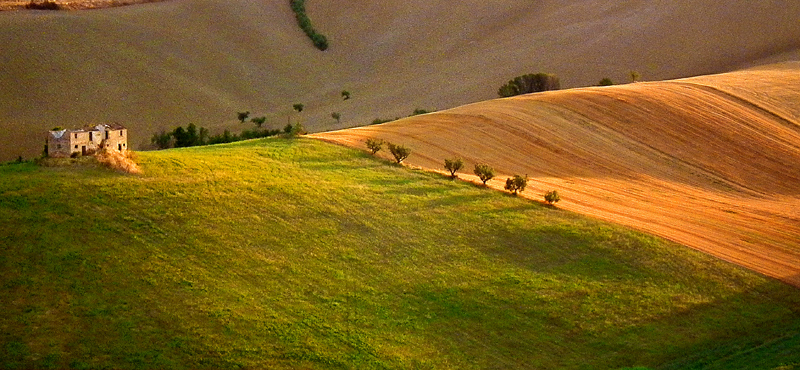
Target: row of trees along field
(515,184)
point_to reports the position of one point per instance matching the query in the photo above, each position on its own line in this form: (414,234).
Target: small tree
(297,130)
(345,95)
(529,83)
(336,116)
(484,172)
(419,111)
(374,145)
(453,165)
(242,116)
(259,121)
(399,152)
(162,140)
(516,184)
(635,76)
(298,107)
(605,82)
(552,197)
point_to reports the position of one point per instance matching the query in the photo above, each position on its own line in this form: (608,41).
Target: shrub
(336,116)
(378,121)
(635,76)
(516,184)
(374,145)
(345,95)
(44,5)
(242,116)
(296,130)
(162,140)
(484,172)
(225,137)
(259,121)
(298,107)
(605,82)
(529,83)
(552,197)
(399,152)
(419,111)
(189,136)
(453,165)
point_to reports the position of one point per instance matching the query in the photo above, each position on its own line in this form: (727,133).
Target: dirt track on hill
(710,162)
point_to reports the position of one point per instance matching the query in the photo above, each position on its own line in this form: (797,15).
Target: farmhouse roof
(58,134)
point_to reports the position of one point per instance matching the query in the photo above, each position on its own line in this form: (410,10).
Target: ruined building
(86,141)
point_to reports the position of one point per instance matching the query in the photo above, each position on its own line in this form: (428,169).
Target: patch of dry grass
(119,161)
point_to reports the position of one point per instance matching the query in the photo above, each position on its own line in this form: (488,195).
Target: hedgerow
(299,9)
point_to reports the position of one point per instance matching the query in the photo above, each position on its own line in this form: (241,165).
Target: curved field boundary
(705,162)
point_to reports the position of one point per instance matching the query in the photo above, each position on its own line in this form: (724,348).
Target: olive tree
(374,145)
(516,184)
(399,152)
(484,172)
(453,165)
(552,197)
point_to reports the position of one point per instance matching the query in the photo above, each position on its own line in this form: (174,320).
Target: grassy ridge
(299,254)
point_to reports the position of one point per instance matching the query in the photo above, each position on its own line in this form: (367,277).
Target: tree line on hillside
(299,9)
(196,136)
(515,184)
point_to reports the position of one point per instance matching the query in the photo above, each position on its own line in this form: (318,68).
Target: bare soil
(710,162)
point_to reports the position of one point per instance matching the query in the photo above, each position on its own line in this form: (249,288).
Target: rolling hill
(157,66)
(299,254)
(711,162)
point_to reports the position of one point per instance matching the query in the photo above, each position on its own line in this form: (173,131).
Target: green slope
(299,254)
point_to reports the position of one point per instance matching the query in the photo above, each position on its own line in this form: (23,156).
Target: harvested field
(711,162)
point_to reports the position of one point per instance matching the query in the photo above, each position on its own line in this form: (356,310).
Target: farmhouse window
(76,147)
(120,133)
(91,136)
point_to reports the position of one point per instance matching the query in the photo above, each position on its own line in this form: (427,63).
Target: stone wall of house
(116,139)
(64,143)
(58,144)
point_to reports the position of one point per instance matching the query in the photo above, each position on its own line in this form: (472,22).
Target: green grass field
(296,254)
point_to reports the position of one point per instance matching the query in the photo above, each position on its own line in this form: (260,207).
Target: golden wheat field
(710,162)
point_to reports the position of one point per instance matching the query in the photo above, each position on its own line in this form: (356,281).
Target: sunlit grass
(298,254)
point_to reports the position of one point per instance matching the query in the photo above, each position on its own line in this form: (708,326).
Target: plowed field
(710,162)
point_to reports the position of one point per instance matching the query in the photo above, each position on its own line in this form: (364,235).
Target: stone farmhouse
(86,141)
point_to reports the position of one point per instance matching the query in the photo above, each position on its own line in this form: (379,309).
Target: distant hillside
(160,65)
(297,254)
(711,162)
